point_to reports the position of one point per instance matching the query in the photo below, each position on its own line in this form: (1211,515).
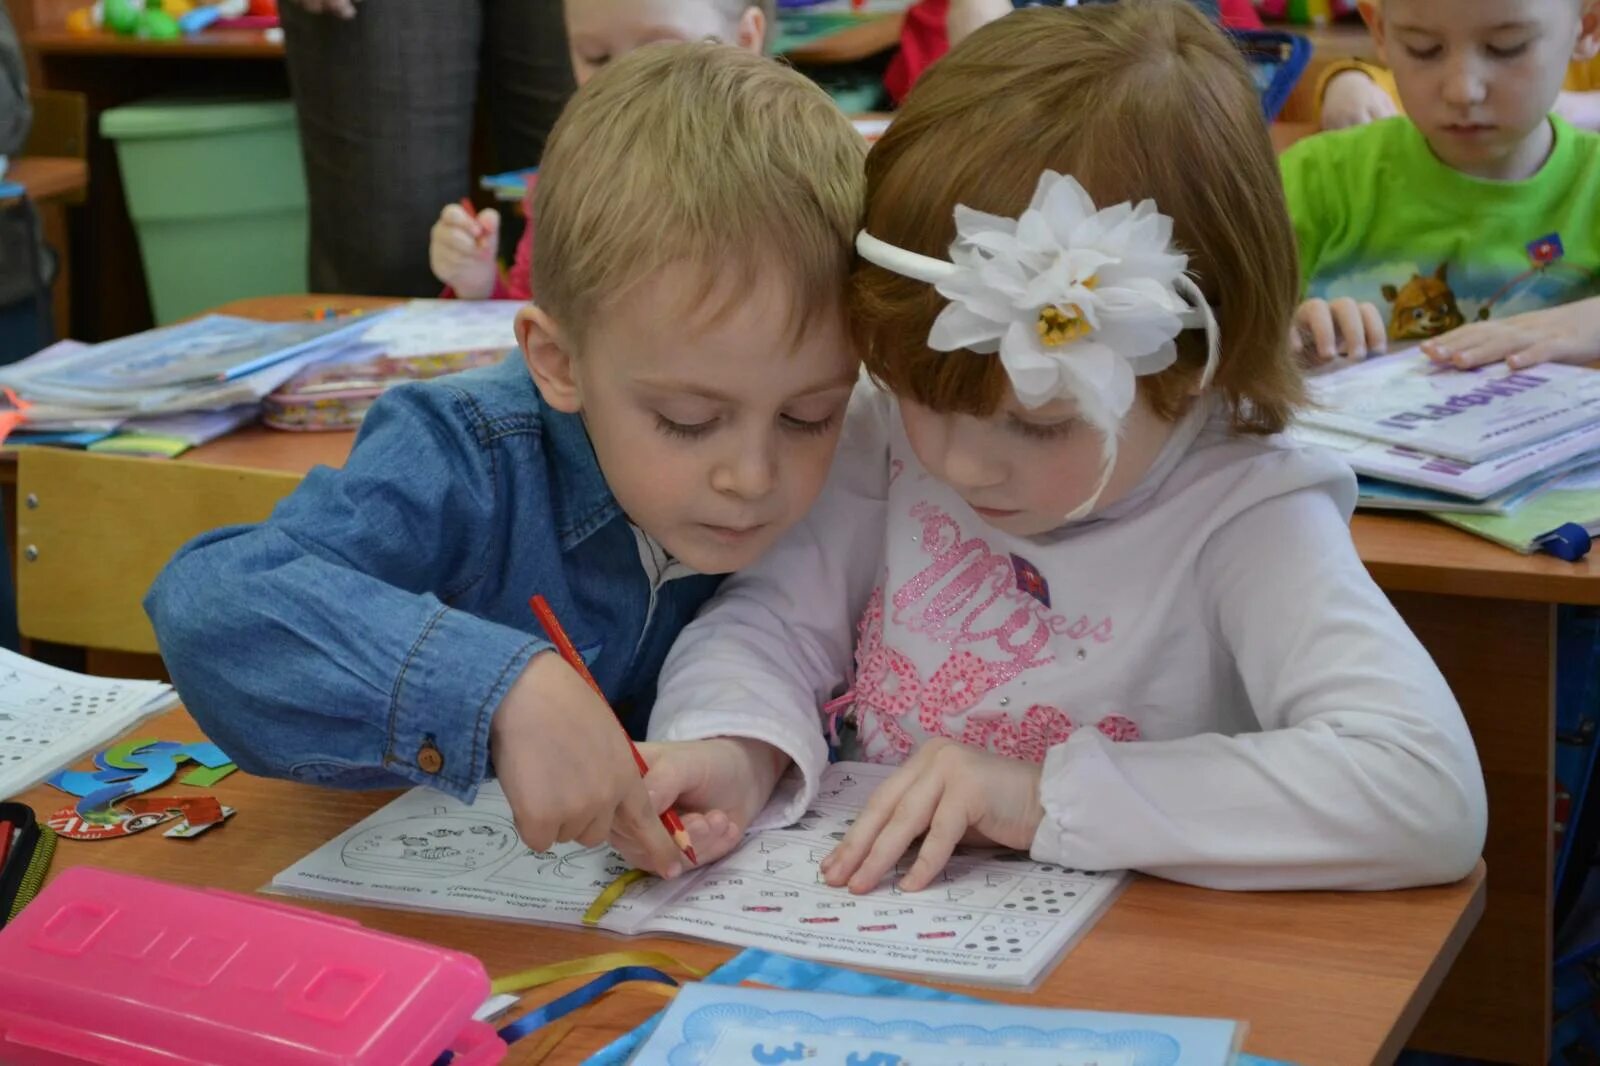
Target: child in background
(1353,93)
(1107,615)
(933,27)
(675,411)
(463,248)
(1476,208)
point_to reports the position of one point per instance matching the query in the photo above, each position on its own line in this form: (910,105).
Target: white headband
(1077,301)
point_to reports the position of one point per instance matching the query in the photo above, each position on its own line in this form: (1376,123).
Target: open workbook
(992,917)
(50,717)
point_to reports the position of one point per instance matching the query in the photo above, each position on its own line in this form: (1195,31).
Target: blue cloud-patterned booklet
(711,1025)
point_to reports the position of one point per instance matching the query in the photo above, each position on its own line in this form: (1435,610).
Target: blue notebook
(713,1025)
(796,975)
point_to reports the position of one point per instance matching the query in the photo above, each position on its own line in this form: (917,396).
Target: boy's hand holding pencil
(567,767)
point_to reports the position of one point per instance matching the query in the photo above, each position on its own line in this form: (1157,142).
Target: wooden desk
(1486,615)
(48,178)
(1321,978)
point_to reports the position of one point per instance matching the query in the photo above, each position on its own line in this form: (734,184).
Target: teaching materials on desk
(1473,481)
(713,1025)
(338,394)
(168,436)
(61,400)
(762,969)
(429,327)
(50,717)
(569,654)
(110,968)
(132,767)
(1572,500)
(425,339)
(1374,494)
(1378,494)
(208,349)
(990,917)
(1469,415)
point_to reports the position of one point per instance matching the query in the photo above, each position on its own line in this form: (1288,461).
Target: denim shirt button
(429,758)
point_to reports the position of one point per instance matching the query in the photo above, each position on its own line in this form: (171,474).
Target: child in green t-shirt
(1472,225)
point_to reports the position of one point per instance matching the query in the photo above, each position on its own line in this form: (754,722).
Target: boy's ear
(1372,15)
(752,35)
(1588,45)
(547,351)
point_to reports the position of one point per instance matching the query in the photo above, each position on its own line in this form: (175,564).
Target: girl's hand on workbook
(952,793)
(1327,329)
(1566,334)
(462,249)
(567,770)
(718,786)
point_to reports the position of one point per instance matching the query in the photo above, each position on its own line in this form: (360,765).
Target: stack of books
(1512,455)
(162,392)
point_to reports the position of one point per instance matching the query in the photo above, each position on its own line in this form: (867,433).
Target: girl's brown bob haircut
(1141,99)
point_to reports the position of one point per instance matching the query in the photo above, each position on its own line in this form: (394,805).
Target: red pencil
(563,643)
(472,213)
(5,842)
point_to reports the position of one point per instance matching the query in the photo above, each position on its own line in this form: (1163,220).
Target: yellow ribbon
(606,899)
(539,976)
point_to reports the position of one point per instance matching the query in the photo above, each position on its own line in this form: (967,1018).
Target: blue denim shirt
(364,635)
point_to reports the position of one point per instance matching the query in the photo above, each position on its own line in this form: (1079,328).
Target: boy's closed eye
(1510,49)
(809,423)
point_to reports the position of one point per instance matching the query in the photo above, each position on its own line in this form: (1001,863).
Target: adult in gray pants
(386,92)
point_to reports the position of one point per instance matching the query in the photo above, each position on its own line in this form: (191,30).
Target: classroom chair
(94,530)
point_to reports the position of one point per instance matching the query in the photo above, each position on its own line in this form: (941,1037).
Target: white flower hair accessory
(1077,301)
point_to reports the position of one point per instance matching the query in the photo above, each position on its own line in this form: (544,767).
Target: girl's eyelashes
(810,427)
(1042,431)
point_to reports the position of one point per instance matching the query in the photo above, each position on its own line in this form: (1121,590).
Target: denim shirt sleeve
(318,644)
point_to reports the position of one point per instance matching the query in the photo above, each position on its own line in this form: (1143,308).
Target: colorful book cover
(1467,415)
(764,969)
(208,349)
(710,1025)
(1471,481)
(1373,494)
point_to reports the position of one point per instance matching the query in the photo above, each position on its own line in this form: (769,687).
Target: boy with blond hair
(675,409)
(1479,206)
(1353,92)
(463,248)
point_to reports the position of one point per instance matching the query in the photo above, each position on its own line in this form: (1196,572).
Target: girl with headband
(1066,572)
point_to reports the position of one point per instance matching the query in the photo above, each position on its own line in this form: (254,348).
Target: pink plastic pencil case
(116,970)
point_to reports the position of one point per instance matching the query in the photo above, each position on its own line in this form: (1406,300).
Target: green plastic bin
(218,197)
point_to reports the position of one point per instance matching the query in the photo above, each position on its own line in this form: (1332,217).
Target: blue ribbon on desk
(578,998)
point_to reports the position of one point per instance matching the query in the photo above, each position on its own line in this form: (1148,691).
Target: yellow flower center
(1058,325)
